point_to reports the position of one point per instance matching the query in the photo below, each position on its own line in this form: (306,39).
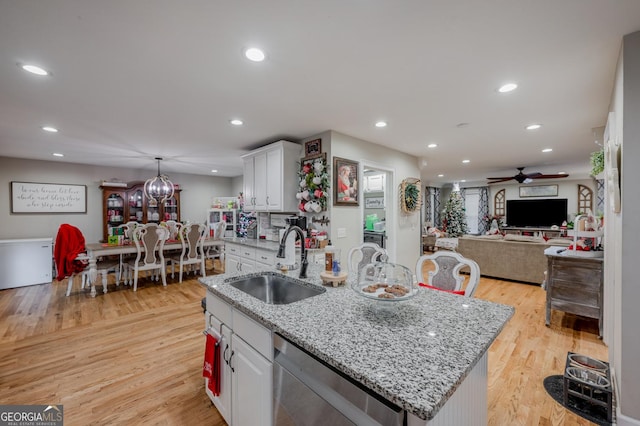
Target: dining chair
(149,240)
(192,239)
(72,260)
(103,267)
(363,254)
(174,228)
(214,252)
(444,272)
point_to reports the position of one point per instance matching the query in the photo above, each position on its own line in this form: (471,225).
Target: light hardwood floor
(128,358)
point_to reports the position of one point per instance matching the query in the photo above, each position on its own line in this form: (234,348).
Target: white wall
(626,348)
(197,192)
(405,228)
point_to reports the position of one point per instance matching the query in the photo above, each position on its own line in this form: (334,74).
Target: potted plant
(597,162)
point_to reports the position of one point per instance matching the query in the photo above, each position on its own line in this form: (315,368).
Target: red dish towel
(459,292)
(211,367)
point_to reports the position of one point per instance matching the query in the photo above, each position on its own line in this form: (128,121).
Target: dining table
(97,250)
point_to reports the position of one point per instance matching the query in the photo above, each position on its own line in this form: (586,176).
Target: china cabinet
(121,205)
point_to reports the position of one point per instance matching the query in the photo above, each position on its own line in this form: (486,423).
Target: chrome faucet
(303,250)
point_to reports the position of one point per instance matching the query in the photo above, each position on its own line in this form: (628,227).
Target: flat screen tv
(541,213)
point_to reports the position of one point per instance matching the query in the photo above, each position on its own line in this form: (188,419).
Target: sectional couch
(512,257)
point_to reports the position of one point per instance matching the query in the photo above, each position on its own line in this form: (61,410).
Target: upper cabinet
(122,205)
(270,177)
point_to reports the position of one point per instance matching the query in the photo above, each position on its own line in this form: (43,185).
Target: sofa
(512,257)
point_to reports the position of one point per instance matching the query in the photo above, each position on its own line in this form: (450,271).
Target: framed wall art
(312,148)
(33,197)
(539,191)
(374,202)
(345,182)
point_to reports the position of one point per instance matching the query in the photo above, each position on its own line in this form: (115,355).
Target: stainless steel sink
(275,289)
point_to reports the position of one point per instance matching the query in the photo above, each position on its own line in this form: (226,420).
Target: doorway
(377,208)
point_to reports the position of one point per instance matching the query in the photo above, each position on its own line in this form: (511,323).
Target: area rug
(555,388)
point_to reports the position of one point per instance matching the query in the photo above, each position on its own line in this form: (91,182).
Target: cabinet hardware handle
(224,354)
(233,370)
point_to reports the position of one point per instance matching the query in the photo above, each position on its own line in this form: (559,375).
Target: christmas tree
(454,216)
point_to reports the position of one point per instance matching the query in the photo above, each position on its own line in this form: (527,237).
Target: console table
(574,285)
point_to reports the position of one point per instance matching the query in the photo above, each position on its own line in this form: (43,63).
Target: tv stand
(531,230)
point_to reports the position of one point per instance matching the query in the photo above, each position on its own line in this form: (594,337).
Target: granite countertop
(414,353)
(253,242)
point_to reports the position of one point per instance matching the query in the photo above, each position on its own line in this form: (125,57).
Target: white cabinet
(223,400)
(246,371)
(239,258)
(251,385)
(223,215)
(271,178)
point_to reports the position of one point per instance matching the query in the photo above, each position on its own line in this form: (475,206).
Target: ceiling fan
(525,177)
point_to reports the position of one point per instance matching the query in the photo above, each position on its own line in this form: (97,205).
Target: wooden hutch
(122,204)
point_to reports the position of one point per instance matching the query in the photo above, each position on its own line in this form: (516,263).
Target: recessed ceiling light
(533,126)
(381,124)
(214,171)
(57,154)
(562,173)
(254,54)
(440,175)
(463,180)
(49,129)
(34,69)
(432,145)
(236,122)
(466,161)
(547,150)
(509,87)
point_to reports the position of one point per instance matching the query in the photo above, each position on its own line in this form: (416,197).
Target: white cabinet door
(231,264)
(260,168)
(251,386)
(273,175)
(270,177)
(247,185)
(247,266)
(222,401)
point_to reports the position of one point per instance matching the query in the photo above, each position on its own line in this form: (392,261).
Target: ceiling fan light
(527,180)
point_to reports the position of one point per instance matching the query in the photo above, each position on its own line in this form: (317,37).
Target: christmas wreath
(313,179)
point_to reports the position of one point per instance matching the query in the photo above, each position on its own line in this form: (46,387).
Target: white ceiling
(136,79)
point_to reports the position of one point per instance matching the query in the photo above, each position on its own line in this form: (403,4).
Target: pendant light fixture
(160,187)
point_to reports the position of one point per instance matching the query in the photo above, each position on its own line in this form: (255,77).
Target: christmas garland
(313,179)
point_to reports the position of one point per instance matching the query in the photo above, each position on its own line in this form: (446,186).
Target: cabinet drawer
(574,295)
(232,249)
(253,333)
(568,281)
(575,308)
(248,252)
(220,309)
(266,257)
(585,277)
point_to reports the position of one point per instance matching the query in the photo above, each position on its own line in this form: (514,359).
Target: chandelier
(160,187)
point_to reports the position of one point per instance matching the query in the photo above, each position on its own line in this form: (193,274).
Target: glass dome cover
(385,282)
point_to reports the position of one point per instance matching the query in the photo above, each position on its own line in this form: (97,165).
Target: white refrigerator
(25,262)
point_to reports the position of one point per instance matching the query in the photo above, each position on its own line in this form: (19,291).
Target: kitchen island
(426,355)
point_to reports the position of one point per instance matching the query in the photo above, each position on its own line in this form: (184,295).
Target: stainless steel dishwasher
(307,391)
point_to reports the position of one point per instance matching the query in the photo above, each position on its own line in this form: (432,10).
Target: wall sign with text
(32,197)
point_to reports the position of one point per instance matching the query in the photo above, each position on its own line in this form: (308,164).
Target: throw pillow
(460,292)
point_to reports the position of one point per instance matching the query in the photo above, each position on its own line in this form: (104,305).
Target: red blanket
(69,244)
